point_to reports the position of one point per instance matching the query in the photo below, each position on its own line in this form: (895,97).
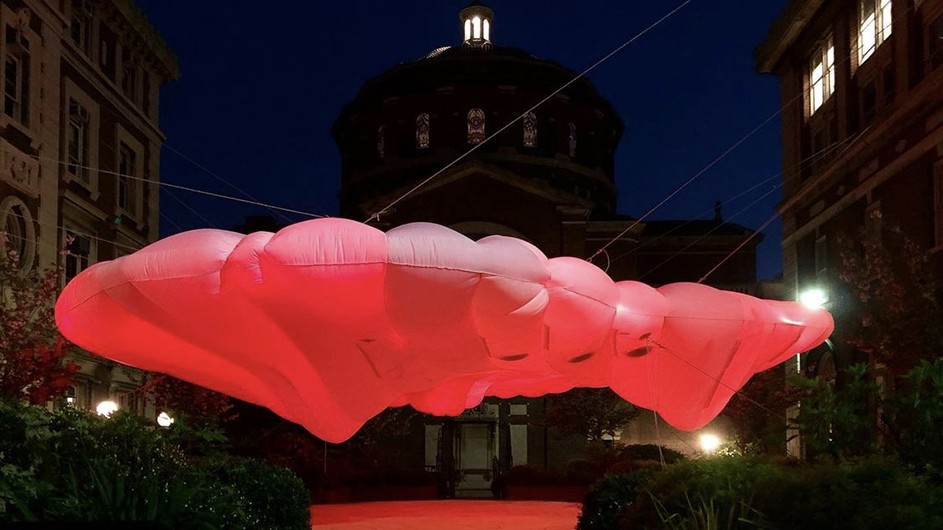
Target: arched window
(422,131)
(530,130)
(381,142)
(17,233)
(476,126)
(571,136)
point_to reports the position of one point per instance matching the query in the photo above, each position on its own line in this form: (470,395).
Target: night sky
(259,90)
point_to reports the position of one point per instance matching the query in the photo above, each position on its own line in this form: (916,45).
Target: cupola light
(476,24)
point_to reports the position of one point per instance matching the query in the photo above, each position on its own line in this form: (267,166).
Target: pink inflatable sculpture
(330,321)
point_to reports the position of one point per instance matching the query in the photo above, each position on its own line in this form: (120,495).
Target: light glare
(164,419)
(106,408)
(709,442)
(814,298)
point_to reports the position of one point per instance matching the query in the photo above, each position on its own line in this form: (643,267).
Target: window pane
(886,19)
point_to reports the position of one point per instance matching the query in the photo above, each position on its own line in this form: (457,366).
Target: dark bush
(606,503)
(73,466)
(720,493)
(246,493)
(688,494)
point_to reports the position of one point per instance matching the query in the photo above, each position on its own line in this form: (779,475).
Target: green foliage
(73,466)
(913,417)
(873,493)
(25,475)
(606,503)
(591,413)
(250,494)
(839,420)
(715,493)
(736,492)
(32,353)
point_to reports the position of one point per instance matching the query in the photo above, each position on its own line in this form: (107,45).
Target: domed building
(469,137)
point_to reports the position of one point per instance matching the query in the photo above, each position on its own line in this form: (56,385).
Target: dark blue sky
(262,82)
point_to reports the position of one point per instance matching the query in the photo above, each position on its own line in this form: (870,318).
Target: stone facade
(80,143)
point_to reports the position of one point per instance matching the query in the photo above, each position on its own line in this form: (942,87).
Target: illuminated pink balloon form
(330,321)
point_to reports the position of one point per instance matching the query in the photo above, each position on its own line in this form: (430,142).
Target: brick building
(862,124)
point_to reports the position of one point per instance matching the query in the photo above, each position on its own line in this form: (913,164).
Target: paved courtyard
(446,514)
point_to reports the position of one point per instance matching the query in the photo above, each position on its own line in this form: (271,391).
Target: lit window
(487,29)
(78,141)
(476,28)
(422,131)
(822,75)
(875,24)
(476,126)
(571,137)
(530,130)
(467,29)
(127,180)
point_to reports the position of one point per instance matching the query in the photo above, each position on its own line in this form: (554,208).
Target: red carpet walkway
(446,515)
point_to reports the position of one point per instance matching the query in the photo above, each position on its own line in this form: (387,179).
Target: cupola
(476,24)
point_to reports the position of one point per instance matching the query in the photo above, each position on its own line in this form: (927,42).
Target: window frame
(876,31)
(822,57)
(477,126)
(137,184)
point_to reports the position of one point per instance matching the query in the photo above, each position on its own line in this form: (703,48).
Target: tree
(195,402)
(591,413)
(758,412)
(888,393)
(893,317)
(33,364)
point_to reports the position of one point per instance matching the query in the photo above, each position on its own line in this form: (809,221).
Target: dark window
(868,104)
(127,181)
(16,76)
(936,42)
(888,85)
(77,249)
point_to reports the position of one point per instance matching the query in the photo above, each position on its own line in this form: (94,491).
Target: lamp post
(814,298)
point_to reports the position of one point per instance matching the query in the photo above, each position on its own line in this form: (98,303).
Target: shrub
(73,466)
(246,493)
(25,474)
(710,493)
(606,503)
(875,493)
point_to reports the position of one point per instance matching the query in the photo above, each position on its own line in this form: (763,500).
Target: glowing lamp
(813,298)
(106,408)
(164,419)
(710,443)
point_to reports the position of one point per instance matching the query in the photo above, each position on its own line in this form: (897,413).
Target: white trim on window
(821,74)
